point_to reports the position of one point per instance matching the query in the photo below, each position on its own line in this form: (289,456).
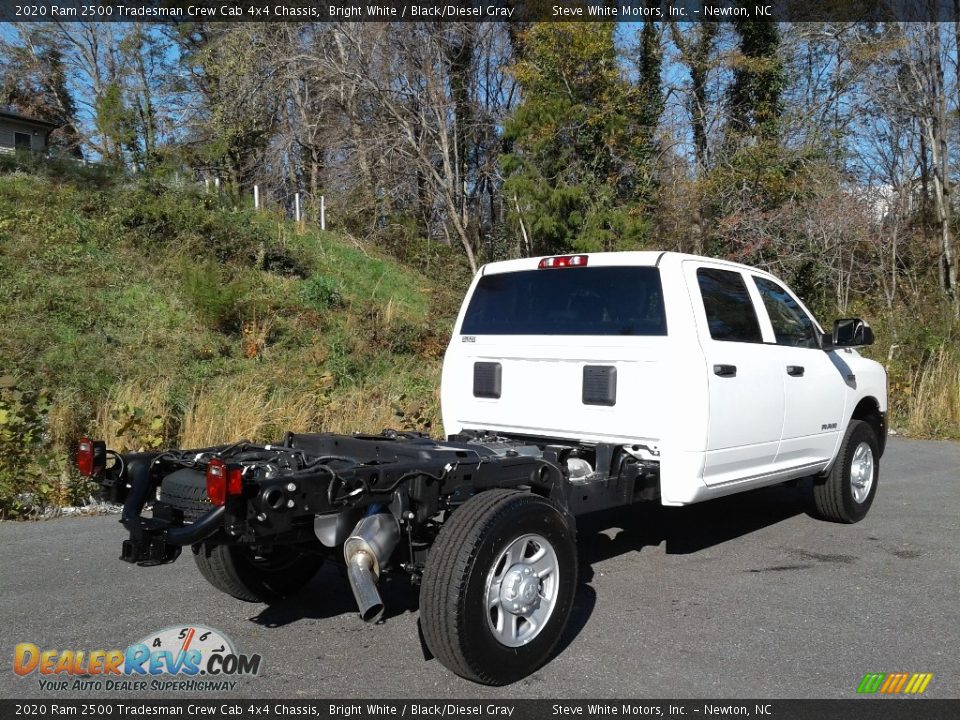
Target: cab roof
(638,258)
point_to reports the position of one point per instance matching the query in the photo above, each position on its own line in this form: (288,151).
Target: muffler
(366,550)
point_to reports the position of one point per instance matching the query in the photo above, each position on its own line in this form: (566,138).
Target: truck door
(745,389)
(814,388)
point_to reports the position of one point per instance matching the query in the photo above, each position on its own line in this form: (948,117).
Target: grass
(157,316)
(933,405)
(917,342)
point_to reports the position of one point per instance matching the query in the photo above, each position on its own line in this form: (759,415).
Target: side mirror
(851,333)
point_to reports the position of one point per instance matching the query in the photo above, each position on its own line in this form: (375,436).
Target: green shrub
(164,219)
(321,293)
(138,429)
(214,297)
(33,473)
(61,168)
(280,261)
(23,421)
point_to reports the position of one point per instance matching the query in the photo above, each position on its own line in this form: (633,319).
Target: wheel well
(868,410)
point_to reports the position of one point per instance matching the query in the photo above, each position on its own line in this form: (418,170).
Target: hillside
(153,314)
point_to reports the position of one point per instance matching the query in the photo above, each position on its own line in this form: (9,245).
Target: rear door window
(568,301)
(730,313)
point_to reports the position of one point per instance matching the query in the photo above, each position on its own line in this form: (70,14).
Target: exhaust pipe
(364,585)
(366,550)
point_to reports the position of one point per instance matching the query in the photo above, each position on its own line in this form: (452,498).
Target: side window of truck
(730,312)
(791,325)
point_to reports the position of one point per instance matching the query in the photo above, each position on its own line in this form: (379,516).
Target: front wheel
(257,574)
(845,494)
(498,586)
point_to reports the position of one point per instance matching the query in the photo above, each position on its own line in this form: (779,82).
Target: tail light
(91,456)
(562,261)
(223,481)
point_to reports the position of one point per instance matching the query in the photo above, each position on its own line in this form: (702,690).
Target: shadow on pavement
(686,530)
(329,595)
(683,530)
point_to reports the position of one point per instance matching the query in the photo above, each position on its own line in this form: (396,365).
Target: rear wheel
(846,493)
(498,586)
(257,575)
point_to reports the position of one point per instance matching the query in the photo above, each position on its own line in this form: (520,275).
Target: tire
(268,577)
(469,564)
(186,490)
(845,494)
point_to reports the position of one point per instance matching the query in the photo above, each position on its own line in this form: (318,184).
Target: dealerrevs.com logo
(191,658)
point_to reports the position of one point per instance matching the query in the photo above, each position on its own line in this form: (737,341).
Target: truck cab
(715,371)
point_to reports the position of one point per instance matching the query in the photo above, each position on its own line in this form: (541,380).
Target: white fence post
(323,214)
(256,197)
(216,183)
(296,206)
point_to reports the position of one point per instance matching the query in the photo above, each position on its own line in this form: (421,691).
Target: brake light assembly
(563,261)
(91,457)
(224,480)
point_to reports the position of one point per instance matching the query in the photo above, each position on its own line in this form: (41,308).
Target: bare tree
(417,90)
(698,46)
(923,88)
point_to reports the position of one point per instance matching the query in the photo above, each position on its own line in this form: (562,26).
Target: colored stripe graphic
(889,682)
(927,677)
(871,682)
(894,683)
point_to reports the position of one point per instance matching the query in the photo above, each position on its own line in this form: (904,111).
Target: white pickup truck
(715,371)
(571,384)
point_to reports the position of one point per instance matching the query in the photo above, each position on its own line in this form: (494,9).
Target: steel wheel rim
(861,472)
(521,590)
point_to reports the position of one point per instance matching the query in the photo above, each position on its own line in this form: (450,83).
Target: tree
(926,92)
(697,45)
(579,166)
(150,88)
(233,76)
(422,104)
(649,105)
(755,95)
(33,78)
(96,69)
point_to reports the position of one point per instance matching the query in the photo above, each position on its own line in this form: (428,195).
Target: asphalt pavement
(746,596)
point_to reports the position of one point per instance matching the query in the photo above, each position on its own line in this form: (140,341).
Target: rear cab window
(625,301)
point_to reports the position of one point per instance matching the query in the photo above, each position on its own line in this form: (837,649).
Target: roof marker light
(563,261)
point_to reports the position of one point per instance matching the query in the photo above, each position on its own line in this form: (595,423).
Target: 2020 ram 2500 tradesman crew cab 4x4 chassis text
(571,384)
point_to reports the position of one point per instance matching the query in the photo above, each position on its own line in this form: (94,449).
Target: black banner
(477,10)
(853,709)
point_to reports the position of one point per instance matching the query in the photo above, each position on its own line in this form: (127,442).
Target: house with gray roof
(20,132)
